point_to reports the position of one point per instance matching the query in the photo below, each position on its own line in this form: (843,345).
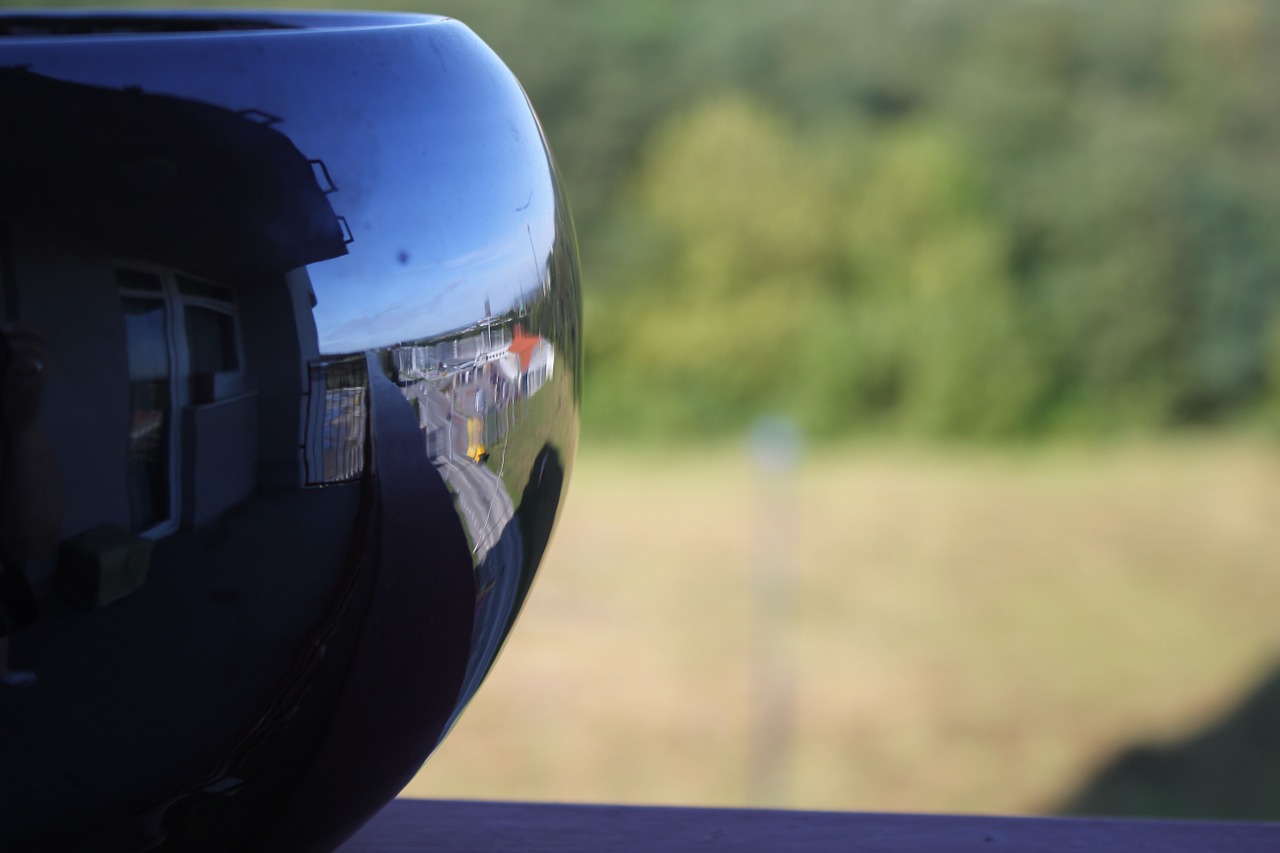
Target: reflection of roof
(160,178)
(525,345)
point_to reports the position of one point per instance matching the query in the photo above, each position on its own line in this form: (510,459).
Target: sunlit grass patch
(964,631)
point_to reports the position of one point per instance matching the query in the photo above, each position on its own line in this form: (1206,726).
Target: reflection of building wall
(221,450)
(541,367)
(280,341)
(415,363)
(219,455)
(69,292)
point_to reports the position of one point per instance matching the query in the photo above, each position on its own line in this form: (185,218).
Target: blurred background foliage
(951,219)
(955,220)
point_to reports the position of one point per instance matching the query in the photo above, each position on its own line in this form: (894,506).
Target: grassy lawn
(909,630)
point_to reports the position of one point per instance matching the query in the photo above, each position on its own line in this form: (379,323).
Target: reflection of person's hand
(23,376)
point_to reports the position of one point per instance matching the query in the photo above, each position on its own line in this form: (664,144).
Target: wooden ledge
(408,826)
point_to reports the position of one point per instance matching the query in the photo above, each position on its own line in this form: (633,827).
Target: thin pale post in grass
(775,445)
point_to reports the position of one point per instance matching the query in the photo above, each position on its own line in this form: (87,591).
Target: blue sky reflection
(439,166)
(398,298)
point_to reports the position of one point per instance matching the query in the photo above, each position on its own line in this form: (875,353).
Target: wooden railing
(408,826)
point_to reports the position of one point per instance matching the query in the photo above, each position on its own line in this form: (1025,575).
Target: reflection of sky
(424,299)
(438,163)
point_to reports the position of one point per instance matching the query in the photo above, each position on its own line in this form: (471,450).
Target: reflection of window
(183,345)
(212,339)
(336,418)
(151,410)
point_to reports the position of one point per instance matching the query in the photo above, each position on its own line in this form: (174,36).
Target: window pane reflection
(211,340)
(150,409)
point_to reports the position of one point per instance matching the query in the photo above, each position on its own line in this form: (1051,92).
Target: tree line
(987,219)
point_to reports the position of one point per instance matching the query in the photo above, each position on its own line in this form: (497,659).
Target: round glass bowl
(288,405)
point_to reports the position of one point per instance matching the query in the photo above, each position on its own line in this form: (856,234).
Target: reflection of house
(537,360)
(523,358)
(179,331)
(186,371)
(475,375)
(439,358)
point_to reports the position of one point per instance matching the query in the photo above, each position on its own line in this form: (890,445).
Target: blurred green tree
(974,219)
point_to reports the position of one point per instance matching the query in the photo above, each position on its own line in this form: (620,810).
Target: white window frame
(232,381)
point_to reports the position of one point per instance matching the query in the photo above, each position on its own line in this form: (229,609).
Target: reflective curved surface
(288,403)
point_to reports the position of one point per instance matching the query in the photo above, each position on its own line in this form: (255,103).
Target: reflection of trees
(1027,163)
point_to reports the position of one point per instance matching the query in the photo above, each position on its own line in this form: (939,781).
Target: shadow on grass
(1230,770)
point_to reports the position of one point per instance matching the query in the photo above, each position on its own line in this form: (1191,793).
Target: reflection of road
(483,501)
(488,514)
(440,426)
(482,498)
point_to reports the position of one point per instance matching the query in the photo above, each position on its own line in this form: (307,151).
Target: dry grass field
(948,631)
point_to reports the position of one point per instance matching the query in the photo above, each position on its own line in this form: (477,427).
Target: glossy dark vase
(310,384)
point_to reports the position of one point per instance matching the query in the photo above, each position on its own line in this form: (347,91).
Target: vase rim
(76,25)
